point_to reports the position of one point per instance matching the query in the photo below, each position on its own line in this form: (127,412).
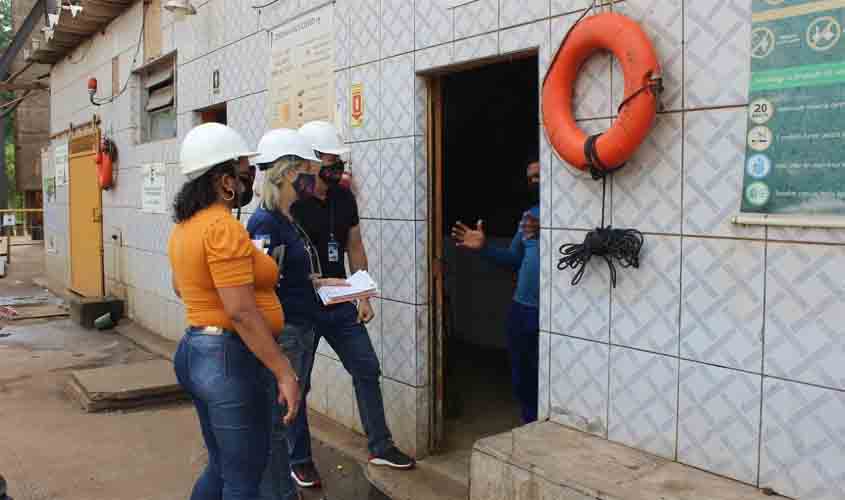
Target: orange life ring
(632,48)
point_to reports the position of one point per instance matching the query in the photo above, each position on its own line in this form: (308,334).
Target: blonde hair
(274,178)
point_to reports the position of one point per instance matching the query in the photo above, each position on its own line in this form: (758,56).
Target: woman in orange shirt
(229,354)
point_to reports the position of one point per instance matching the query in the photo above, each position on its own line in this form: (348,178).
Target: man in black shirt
(329,215)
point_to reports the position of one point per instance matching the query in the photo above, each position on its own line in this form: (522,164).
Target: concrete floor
(52,450)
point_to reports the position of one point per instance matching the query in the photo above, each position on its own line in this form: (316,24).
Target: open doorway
(485,132)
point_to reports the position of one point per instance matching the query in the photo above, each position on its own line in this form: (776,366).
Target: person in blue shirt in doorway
(523,324)
(283,163)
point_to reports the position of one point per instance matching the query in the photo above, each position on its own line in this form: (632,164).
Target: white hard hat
(324,137)
(208,145)
(283,142)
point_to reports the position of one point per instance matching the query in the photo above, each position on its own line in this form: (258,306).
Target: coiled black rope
(620,245)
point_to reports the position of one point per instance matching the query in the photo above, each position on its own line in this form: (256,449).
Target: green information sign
(795,159)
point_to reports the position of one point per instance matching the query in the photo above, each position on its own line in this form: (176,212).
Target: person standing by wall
(228,360)
(329,216)
(283,161)
(523,324)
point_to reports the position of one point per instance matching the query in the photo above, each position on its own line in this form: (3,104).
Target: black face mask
(246,196)
(304,185)
(332,174)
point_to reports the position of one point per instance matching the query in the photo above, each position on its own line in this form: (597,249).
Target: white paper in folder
(361,285)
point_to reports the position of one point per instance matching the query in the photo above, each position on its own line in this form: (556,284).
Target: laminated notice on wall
(60,162)
(154,188)
(796,117)
(302,63)
(48,175)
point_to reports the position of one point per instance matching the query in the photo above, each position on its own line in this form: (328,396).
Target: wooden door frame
(86,139)
(435,222)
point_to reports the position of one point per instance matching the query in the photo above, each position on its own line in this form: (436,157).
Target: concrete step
(422,483)
(547,460)
(117,387)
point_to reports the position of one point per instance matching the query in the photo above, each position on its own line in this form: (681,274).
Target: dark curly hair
(199,194)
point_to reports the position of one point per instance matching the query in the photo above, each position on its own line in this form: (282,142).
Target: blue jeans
(340,327)
(228,385)
(297,342)
(524,347)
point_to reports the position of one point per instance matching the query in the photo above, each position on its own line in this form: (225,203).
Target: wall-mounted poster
(796,118)
(154,188)
(60,162)
(302,62)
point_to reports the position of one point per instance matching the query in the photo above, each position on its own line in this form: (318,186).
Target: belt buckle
(212,330)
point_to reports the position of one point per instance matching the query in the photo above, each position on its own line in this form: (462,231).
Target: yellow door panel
(86,220)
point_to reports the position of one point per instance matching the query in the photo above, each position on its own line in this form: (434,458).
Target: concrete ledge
(549,461)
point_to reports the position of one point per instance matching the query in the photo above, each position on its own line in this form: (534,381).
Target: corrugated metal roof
(71,31)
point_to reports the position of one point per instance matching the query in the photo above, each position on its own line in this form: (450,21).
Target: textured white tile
(722,307)
(397,96)
(643,400)
(647,192)
(397,27)
(591,97)
(342,34)
(240,20)
(366,171)
(719,420)
(582,310)
(433,57)
(478,47)
(423,346)
(421,261)
(714,151)
(420,179)
(546,179)
(320,382)
(802,445)
(513,12)
(397,178)
(663,22)
(546,278)
(420,103)
(433,23)
(340,394)
(400,356)
(717,41)
(576,197)
(646,303)
(365,31)
(368,76)
(371,234)
(398,264)
(476,18)
(805,297)
(806,235)
(528,36)
(567,6)
(248,116)
(342,97)
(579,390)
(544,378)
(404,405)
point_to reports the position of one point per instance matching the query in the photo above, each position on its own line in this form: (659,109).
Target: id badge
(334,251)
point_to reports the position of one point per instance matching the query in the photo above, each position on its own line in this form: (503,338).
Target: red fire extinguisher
(105,160)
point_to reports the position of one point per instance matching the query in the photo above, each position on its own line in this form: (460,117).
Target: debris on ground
(32,307)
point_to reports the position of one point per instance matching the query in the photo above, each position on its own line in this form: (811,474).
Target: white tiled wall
(722,351)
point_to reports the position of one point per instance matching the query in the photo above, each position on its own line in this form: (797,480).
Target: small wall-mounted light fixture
(215,81)
(180,7)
